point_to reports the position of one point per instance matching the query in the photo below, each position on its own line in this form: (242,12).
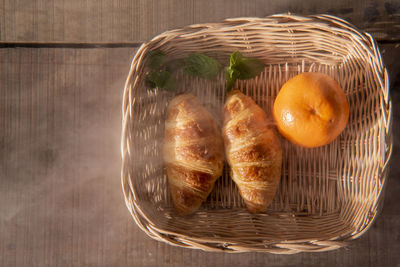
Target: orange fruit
(311,109)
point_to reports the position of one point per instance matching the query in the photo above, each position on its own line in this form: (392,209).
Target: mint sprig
(161,79)
(202,66)
(156,59)
(231,76)
(160,74)
(199,65)
(161,69)
(242,68)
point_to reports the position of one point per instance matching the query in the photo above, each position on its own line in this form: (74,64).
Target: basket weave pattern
(327,196)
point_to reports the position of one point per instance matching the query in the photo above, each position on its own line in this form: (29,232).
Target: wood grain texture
(125,21)
(61,202)
(60,160)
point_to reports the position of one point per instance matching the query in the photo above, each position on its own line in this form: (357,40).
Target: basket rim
(286,247)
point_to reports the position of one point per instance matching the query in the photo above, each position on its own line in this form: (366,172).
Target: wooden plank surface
(60,196)
(126,21)
(61,202)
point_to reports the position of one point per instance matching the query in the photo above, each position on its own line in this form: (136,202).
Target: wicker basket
(327,196)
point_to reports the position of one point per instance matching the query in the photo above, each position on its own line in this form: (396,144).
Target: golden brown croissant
(253,151)
(193,152)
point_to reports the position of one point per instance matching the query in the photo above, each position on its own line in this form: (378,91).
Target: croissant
(253,151)
(193,152)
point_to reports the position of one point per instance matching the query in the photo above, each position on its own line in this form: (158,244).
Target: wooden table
(63,65)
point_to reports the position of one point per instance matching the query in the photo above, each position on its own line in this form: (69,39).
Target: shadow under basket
(327,195)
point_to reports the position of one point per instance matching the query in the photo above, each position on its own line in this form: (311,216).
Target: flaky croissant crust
(193,152)
(253,151)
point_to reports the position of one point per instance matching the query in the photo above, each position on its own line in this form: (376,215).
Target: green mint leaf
(156,59)
(202,66)
(161,79)
(235,58)
(231,76)
(232,73)
(242,68)
(249,68)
